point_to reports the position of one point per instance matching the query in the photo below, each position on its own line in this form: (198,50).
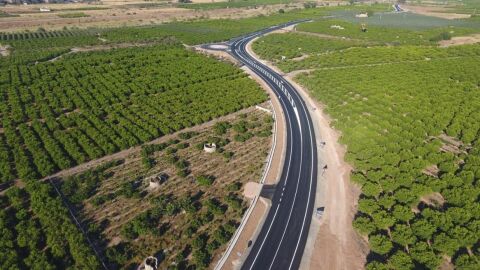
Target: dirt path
(333,243)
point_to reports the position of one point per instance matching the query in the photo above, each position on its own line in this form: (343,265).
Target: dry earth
(118,15)
(455,41)
(435,11)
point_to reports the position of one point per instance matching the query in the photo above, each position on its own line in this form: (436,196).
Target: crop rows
(412,131)
(56,115)
(40,35)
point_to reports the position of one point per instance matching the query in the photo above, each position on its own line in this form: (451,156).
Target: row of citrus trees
(56,115)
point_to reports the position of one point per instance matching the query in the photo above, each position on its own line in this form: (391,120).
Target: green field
(361,56)
(404,20)
(37,232)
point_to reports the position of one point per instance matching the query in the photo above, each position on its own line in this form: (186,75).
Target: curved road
(282,239)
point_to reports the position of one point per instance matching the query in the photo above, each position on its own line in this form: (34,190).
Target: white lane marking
(298,117)
(294,196)
(311,178)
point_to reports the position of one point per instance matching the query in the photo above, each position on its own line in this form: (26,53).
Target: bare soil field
(455,41)
(435,11)
(30,18)
(110,209)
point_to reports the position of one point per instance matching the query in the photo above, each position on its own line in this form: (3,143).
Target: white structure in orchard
(155,181)
(150,263)
(210,147)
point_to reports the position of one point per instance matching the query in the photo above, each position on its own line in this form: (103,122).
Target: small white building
(362,15)
(336,27)
(210,147)
(156,180)
(150,263)
(44,9)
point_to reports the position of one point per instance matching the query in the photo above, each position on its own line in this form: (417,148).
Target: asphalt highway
(282,239)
